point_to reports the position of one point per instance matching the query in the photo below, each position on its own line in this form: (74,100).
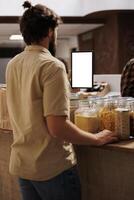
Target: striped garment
(127,79)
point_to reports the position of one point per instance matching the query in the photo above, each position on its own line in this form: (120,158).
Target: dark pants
(65,186)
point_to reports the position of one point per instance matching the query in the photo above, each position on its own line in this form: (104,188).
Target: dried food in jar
(122,123)
(87,122)
(107,118)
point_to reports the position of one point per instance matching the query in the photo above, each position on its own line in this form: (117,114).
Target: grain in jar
(87,119)
(87,122)
(122,123)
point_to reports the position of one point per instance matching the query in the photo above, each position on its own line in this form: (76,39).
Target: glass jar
(73,107)
(86,118)
(131,112)
(122,118)
(74,102)
(93,101)
(107,114)
(122,123)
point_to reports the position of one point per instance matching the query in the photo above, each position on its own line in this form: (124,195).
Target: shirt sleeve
(127,80)
(56,94)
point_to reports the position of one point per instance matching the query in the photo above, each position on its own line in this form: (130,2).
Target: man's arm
(61,128)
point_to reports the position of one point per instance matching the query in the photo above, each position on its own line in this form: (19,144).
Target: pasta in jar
(107,116)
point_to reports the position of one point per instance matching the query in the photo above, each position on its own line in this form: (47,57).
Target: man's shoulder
(56,62)
(52,63)
(15,58)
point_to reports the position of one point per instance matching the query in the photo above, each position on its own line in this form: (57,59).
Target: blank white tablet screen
(82,73)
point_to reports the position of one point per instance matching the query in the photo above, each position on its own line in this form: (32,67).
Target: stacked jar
(107,114)
(86,118)
(122,119)
(115,114)
(131,116)
(74,100)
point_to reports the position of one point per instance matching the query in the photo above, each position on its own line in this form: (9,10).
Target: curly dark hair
(36,21)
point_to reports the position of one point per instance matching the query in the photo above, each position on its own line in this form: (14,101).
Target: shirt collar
(36,48)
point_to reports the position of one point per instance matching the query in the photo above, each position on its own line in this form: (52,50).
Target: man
(42,155)
(127,79)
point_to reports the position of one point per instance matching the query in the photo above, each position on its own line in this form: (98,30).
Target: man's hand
(105,137)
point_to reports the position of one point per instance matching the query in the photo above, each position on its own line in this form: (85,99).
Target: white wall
(62,7)
(64,46)
(90,6)
(112,79)
(66,7)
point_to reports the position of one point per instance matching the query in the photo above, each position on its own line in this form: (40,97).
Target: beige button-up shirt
(37,86)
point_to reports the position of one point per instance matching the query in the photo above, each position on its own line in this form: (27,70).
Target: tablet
(82,69)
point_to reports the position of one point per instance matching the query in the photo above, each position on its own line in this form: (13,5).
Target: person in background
(127,79)
(42,155)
